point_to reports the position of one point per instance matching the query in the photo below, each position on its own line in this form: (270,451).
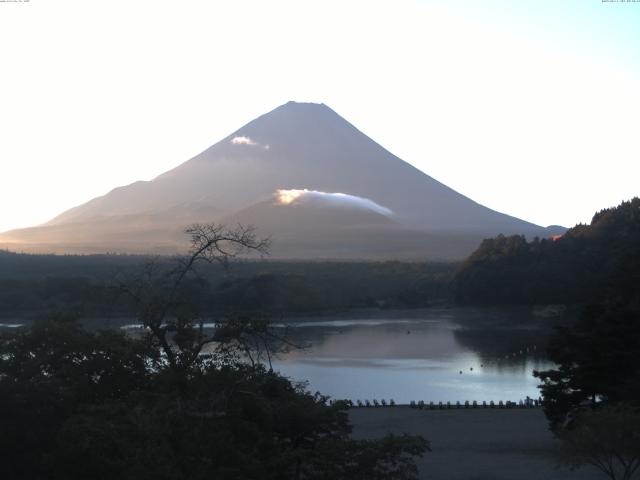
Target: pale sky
(531,108)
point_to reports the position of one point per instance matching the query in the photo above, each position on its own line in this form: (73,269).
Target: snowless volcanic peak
(386,208)
(286,197)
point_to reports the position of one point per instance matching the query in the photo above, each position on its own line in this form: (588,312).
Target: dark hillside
(587,264)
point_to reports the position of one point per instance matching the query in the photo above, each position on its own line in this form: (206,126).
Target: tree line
(589,263)
(36,284)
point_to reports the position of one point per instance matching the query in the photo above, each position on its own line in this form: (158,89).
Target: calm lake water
(453,354)
(420,354)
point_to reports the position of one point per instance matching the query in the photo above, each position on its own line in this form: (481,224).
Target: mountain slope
(295,146)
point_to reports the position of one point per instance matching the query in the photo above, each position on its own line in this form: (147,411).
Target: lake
(432,355)
(437,354)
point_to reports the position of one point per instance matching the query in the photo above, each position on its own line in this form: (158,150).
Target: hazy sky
(528,107)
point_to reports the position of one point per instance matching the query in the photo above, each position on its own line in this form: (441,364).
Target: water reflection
(432,355)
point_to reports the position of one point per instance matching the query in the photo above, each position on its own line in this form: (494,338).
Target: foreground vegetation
(78,405)
(175,402)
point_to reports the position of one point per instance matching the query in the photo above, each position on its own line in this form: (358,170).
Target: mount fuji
(300,174)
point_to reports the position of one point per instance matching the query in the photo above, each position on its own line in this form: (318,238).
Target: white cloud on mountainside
(242,140)
(286,197)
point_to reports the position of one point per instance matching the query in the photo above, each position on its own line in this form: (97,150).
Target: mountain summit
(351,198)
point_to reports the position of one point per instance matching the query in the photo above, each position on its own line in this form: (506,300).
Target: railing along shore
(422,405)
